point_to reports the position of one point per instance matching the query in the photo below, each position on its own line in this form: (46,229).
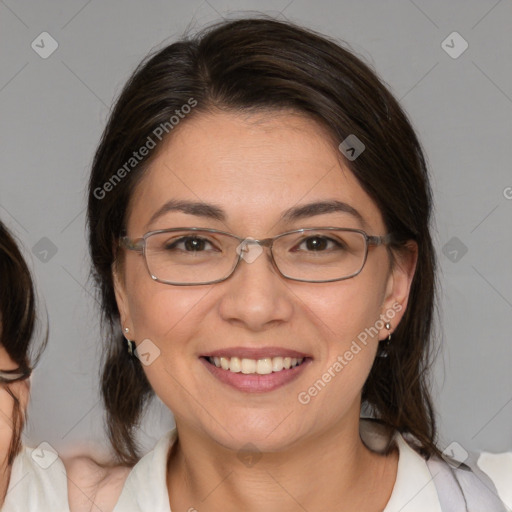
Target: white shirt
(145,489)
(38,482)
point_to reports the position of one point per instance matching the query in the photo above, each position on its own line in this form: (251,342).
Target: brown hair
(18,321)
(264,64)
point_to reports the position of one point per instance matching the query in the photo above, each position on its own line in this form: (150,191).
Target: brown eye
(188,244)
(320,243)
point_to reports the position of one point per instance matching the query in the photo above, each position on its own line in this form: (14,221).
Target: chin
(261,437)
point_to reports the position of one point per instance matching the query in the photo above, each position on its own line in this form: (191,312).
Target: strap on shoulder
(464,487)
(449,491)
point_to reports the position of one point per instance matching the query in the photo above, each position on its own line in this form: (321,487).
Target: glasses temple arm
(381,240)
(132,245)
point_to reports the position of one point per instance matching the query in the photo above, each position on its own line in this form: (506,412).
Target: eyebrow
(199,209)
(211,211)
(320,208)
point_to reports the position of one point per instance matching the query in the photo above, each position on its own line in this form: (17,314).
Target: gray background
(53,111)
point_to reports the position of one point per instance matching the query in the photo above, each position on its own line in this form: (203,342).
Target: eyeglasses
(194,256)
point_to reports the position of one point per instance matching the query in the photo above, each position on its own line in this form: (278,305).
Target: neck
(332,470)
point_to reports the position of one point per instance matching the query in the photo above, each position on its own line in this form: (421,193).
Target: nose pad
(249,250)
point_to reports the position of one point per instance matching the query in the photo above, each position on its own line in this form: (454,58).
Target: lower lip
(253,383)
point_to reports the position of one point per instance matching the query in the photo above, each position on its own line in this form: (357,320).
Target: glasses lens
(320,255)
(187,257)
(190,257)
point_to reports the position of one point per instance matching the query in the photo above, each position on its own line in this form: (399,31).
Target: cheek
(346,309)
(345,317)
(169,317)
(165,320)
(156,309)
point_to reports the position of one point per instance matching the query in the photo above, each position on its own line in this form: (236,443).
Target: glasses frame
(139,245)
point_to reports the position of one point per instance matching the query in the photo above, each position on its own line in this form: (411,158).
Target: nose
(256,296)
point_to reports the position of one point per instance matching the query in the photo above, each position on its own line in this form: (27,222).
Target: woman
(31,479)
(259,211)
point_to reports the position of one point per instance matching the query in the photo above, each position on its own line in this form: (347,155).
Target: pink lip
(255,353)
(255,383)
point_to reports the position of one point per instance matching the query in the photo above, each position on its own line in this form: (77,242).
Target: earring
(384,344)
(131,346)
(387,325)
(129,343)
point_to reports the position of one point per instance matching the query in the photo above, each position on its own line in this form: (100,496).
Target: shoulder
(498,467)
(496,463)
(91,483)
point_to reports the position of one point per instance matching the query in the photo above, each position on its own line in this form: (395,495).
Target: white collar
(414,489)
(38,481)
(145,489)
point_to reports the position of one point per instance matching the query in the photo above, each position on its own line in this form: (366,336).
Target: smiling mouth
(264,366)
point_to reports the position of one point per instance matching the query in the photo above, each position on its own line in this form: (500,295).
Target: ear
(121,299)
(399,286)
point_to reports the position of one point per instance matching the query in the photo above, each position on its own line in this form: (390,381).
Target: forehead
(254,166)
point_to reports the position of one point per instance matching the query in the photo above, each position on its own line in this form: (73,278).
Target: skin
(21,391)
(254,167)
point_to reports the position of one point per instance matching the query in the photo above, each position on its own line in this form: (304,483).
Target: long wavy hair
(264,64)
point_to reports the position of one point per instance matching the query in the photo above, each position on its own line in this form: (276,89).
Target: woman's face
(254,168)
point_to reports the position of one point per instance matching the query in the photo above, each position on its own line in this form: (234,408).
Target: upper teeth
(260,366)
